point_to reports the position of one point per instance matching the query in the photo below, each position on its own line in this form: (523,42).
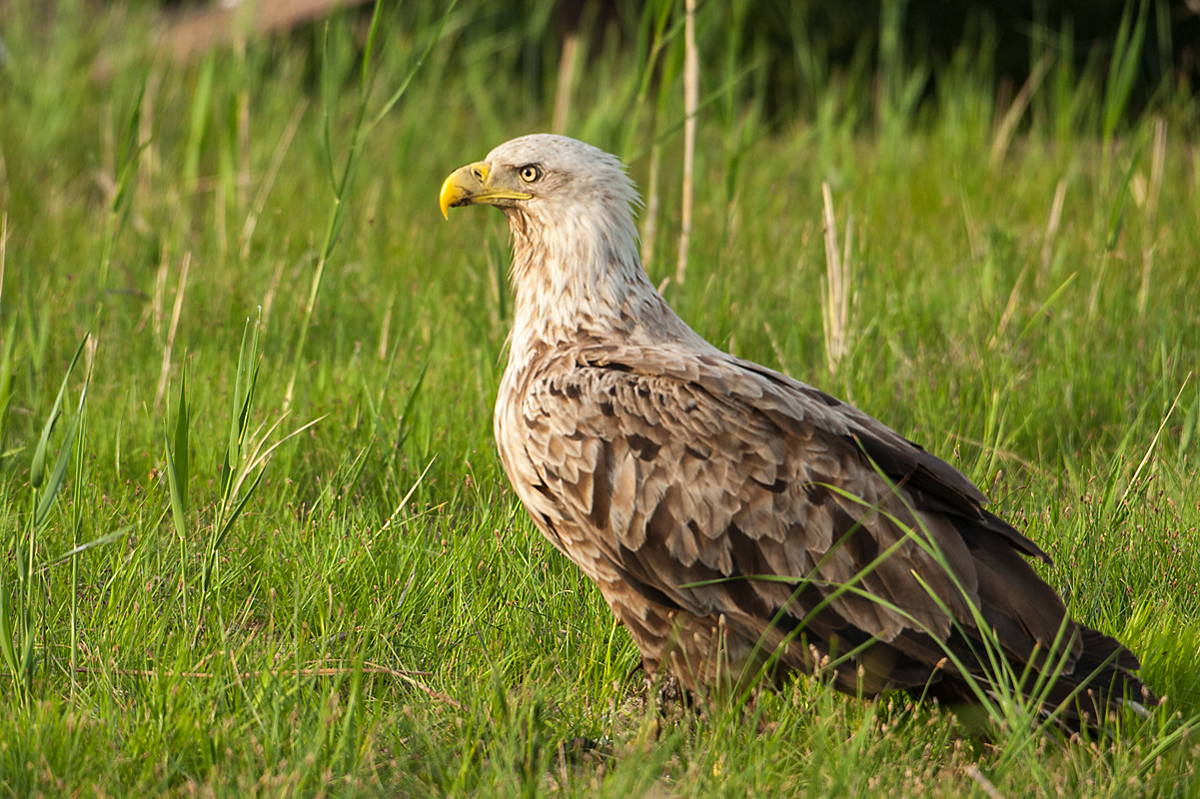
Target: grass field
(363,609)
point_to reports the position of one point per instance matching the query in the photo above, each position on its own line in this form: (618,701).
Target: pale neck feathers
(577,276)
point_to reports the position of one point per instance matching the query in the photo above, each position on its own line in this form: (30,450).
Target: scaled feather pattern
(738,522)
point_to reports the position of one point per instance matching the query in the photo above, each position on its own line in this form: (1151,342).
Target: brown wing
(692,476)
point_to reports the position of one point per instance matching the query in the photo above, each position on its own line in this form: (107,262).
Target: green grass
(381,617)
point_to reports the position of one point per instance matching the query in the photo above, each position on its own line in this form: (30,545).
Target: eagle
(740,524)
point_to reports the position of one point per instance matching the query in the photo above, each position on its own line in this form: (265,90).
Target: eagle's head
(564,199)
(575,256)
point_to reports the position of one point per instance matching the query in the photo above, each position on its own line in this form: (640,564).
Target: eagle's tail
(1102,683)
(1099,686)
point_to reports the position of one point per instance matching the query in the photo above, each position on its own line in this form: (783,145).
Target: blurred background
(792,41)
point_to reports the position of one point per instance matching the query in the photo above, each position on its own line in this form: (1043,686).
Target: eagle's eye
(531,173)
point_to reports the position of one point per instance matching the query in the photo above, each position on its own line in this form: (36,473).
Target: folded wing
(715,487)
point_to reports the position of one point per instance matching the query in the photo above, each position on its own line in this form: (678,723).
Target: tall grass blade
(177,461)
(7,632)
(8,360)
(49,492)
(242,401)
(327,92)
(183,420)
(79,549)
(1166,61)
(28,660)
(3,247)
(227,523)
(37,470)
(1058,292)
(1123,68)
(77,508)
(1013,116)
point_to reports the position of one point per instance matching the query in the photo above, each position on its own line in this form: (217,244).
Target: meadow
(256,540)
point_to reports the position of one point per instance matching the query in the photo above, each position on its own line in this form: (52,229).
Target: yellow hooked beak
(468,185)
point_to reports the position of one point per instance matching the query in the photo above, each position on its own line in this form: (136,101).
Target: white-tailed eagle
(736,519)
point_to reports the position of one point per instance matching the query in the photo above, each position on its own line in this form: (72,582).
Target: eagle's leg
(684,657)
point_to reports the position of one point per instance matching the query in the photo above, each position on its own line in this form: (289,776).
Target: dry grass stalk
(973,239)
(835,287)
(385,328)
(1060,194)
(983,782)
(160,292)
(1002,454)
(92,344)
(323,671)
(775,346)
(650,225)
(1008,126)
(691,97)
(243,129)
(1014,298)
(272,289)
(1149,229)
(404,502)
(1133,481)
(165,372)
(566,77)
(264,188)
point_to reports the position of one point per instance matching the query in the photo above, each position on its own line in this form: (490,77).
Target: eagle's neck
(578,279)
